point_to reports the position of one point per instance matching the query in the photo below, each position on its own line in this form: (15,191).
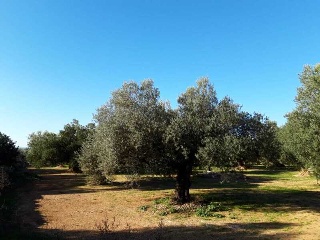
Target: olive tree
(49,149)
(8,151)
(129,137)
(71,138)
(137,133)
(11,160)
(304,121)
(186,132)
(43,149)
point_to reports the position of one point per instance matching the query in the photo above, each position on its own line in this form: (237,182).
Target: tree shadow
(61,181)
(265,200)
(263,230)
(262,170)
(39,182)
(201,182)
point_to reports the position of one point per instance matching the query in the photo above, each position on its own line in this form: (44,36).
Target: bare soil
(62,206)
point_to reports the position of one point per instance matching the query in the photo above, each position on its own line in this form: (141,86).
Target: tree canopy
(129,134)
(138,133)
(8,151)
(301,134)
(49,149)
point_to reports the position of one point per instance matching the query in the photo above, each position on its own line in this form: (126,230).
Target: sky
(61,59)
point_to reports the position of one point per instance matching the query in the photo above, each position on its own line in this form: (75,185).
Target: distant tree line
(49,149)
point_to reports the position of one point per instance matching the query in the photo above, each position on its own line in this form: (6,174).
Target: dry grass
(268,205)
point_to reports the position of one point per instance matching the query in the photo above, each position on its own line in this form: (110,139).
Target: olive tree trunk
(183,184)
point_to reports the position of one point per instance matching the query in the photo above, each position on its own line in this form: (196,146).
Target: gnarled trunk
(183,184)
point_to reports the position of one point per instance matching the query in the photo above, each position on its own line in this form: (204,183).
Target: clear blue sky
(60,59)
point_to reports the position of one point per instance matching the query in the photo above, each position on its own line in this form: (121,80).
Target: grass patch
(164,206)
(210,210)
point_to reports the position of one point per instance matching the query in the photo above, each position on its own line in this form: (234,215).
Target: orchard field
(153,120)
(252,192)
(258,204)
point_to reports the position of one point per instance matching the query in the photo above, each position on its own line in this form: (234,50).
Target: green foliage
(89,163)
(49,149)
(165,201)
(188,127)
(129,135)
(164,206)
(290,144)
(300,137)
(43,149)
(71,139)
(210,209)
(185,134)
(11,161)
(221,143)
(8,151)
(235,137)
(269,146)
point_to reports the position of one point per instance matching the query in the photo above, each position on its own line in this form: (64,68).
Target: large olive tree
(187,130)
(137,133)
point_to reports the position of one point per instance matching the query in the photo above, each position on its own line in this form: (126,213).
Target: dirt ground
(61,205)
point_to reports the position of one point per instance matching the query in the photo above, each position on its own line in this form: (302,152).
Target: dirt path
(60,203)
(51,183)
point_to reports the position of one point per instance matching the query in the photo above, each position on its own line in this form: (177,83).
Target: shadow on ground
(265,200)
(275,230)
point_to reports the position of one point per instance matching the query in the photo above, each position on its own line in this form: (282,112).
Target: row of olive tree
(49,149)
(300,136)
(138,133)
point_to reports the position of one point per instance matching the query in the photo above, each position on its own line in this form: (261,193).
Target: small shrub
(203,212)
(107,226)
(215,207)
(95,179)
(143,208)
(208,210)
(164,206)
(168,210)
(110,229)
